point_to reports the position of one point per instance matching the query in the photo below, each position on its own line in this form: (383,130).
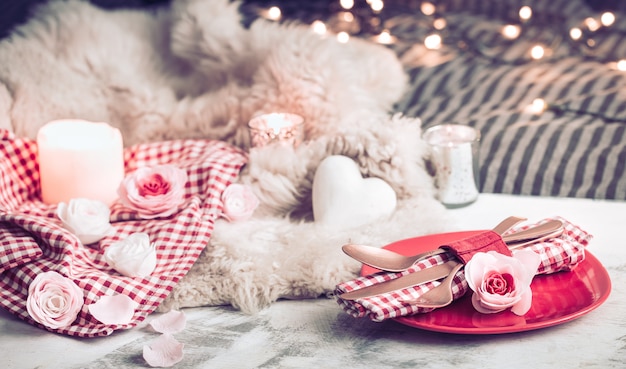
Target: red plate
(557,298)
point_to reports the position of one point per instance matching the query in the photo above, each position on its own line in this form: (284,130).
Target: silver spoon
(391,261)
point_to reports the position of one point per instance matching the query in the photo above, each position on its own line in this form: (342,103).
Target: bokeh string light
(545,35)
(508,36)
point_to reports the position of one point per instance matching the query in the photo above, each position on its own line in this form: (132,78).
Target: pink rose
(155,191)
(501,282)
(54,300)
(239,202)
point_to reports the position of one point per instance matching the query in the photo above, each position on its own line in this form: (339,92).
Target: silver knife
(422,276)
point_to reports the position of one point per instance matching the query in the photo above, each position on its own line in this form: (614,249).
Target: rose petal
(163,351)
(478,305)
(172,322)
(524,304)
(475,269)
(118,309)
(530,260)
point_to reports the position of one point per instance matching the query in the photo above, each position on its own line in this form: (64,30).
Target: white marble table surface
(318,334)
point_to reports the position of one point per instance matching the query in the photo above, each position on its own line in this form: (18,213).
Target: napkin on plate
(557,254)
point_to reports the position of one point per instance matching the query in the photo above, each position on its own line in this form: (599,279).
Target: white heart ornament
(343,198)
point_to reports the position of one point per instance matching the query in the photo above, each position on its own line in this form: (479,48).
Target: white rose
(133,257)
(88,219)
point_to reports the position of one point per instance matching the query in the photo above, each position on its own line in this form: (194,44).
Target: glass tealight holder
(280,128)
(454,149)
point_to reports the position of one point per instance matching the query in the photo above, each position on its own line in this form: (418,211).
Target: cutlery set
(441,295)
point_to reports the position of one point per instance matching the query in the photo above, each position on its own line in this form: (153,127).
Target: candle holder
(282,128)
(454,149)
(79,159)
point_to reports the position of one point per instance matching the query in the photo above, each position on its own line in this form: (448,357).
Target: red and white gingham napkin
(32,239)
(557,254)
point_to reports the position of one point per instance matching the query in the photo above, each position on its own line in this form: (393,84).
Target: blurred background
(13,13)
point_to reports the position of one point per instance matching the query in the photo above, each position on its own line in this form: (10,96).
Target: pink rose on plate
(239,202)
(154,192)
(501,282)
(54,300)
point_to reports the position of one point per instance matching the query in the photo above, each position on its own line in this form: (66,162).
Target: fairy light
(575,33)
(385,38)
(620,65)
(439,24)
(428,8)
(376,5)
(343,37)
(274,13)
(525,13)
(319,27)
(592,24)
(347,22)
(511,31)
(432,41)
(347,16)
(537,52)
(607,19)
(346,4)
(538,106)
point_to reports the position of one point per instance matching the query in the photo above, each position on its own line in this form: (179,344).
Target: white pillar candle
(454,150)
(80,159)
(284,128)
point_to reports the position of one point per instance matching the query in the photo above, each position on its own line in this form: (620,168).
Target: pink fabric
(557,254)
(33,240)
(486,241)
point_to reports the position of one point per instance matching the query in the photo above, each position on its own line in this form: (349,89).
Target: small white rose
(239,202)
(134,256)
(88,219)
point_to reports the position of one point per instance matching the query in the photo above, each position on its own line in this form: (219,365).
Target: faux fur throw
(193,71)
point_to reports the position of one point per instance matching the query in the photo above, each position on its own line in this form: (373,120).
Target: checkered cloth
(32,239)
(557,254)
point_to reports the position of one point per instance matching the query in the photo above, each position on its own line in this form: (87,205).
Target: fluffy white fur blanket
(193,71)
